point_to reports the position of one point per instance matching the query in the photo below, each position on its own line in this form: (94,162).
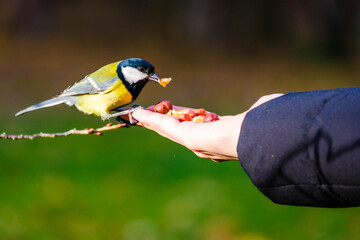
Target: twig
(86,131)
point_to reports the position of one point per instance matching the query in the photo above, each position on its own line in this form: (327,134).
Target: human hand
(201,138)
(215,140)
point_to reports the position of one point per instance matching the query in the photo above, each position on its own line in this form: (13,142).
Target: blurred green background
(132,184)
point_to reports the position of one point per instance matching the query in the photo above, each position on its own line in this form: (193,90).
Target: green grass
(133,184)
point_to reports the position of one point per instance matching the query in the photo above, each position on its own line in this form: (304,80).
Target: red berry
(211,117)
(163,107)
(184,117)
(200,112)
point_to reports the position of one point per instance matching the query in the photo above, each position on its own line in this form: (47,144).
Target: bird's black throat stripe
(134,88)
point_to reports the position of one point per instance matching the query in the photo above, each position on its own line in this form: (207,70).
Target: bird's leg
(118,118)
(128,112)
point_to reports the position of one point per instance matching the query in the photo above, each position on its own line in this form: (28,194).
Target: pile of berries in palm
(186,114)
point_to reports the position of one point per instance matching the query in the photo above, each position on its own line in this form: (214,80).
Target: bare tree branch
(86,131)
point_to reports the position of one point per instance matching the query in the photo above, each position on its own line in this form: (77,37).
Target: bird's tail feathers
(47,103)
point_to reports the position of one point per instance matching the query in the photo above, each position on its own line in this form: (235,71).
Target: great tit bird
(107,89)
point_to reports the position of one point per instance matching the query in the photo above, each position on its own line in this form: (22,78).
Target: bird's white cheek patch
(132,75)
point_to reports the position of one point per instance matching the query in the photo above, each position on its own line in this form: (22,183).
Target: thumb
(156,121)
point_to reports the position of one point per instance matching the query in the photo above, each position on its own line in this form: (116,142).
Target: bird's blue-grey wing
(89,85)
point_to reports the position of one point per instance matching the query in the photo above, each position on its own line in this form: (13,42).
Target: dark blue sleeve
(303,148)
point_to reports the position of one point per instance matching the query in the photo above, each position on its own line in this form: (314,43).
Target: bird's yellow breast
(101,104)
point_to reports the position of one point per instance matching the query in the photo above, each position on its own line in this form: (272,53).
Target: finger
(167,126)
(177,140)
(155,120)
(164,134)
(213,158)
(202,155)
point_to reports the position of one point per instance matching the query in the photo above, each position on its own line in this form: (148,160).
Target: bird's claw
(128,111)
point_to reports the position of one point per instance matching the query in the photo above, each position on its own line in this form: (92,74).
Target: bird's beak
(154,77)
(162,81)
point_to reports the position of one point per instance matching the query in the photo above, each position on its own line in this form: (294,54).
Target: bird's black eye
(141,69)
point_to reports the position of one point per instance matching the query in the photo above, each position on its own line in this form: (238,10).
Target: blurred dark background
(222,55)
(243,48)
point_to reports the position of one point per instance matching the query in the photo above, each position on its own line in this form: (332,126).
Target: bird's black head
(135,73)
